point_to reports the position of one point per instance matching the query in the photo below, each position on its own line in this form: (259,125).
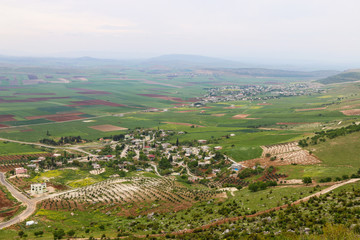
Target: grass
(339,156)
(10,148)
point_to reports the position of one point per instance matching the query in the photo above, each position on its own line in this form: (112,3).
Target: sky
(245,30)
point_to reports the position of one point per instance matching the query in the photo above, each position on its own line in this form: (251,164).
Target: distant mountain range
(163,63)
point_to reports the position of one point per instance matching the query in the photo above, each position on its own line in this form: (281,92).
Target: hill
(347,76)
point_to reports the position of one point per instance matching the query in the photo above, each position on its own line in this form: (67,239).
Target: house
(205,148)
(56,155)
(38,188)
(58,164)
(20,170)
(232,135)
(96,166)
(201,141)
(217,148)
(151,157)
(202,164)
(236,167)
(32,166)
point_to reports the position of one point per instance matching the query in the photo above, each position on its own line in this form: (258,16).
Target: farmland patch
(184,124)
(108,128)
(283,154)
(95,102)
(351,112)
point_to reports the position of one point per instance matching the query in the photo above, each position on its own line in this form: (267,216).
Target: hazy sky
(316,30)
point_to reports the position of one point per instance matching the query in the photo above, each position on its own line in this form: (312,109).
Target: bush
(307,180)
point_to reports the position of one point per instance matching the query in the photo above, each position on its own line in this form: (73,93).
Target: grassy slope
(339,156)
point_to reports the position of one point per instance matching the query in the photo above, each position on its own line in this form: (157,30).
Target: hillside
(348,76)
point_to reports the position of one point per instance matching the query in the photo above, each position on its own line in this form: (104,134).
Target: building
(20,170)
(201,141)
(38,188)
(236,167)
(96,166)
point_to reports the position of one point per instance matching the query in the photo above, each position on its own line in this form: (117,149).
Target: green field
(9,148)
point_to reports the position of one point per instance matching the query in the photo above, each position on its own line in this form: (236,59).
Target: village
(258,92)
(140,150)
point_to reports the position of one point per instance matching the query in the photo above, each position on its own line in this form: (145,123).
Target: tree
(21,233)
(307,180)
(71,233)
(59,234)
(177,142)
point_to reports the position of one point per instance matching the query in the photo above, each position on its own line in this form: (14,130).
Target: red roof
(151,156)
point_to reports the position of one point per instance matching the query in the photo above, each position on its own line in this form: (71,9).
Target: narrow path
(29,203)
(155,168)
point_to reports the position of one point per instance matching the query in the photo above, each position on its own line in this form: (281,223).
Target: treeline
(62,140)
(256,186)
(330,134)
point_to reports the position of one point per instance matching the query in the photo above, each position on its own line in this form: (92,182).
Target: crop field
(93,103)
(10,148)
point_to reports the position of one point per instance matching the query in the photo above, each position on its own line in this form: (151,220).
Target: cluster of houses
(253,92)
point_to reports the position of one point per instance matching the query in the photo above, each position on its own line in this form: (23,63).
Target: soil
(95,102)
(351,112)
(107,128)
(286,154)
(184,124)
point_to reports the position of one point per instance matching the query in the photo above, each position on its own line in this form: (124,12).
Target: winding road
(29,203)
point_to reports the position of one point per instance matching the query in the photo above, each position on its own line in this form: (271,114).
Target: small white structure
(38,188)
(96,166)
(29,223)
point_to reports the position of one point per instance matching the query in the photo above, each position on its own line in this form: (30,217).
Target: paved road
(29,203)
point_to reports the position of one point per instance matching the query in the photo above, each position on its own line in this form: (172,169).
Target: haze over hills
(169,62)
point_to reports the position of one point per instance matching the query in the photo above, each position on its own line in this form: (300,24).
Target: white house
(38,188)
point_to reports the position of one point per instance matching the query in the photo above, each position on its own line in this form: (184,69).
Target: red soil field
(89,91)
(6,118)
(240,116)
(351,112)
(30,99)
(2,125)
(107,128)
(175,99)
(184,124)
(95,102)
(54,115)
(64,118)
(29,94)
(24,156)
